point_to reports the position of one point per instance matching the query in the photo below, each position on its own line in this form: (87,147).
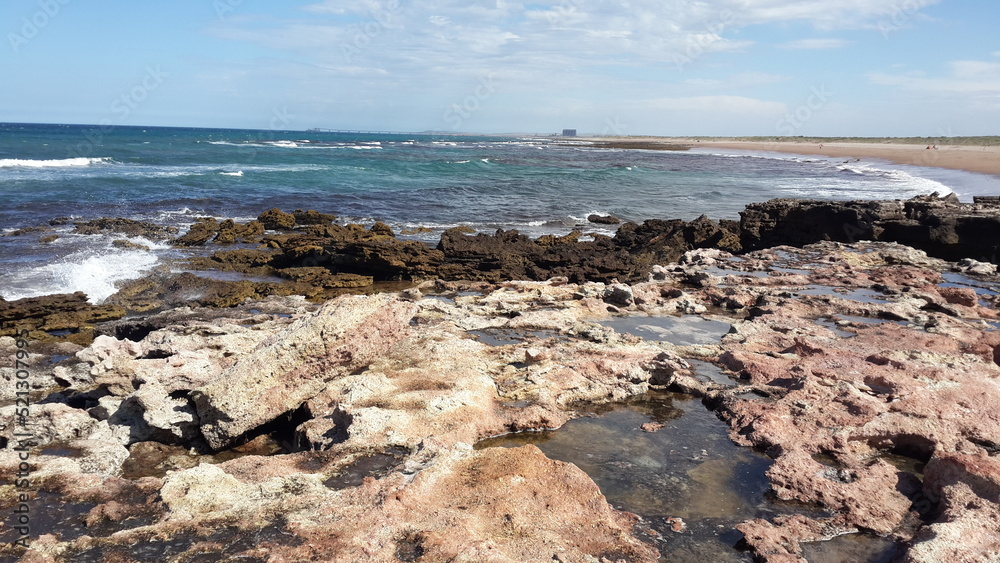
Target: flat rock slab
(294,365)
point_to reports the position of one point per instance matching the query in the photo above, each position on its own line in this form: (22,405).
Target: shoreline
(394,395)
(195,405)
(977,159)
(305,254)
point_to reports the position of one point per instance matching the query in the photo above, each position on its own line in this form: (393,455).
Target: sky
(638,67)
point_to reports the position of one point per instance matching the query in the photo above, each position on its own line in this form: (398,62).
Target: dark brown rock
(416,231)
(128,227)
(157,292)
(508,255)
(311,217)
(230,232)
(353,249)
(661,242)
(27,231)
(381,228)
(321,277)
(126,244)
(244,260)
(55,317)
(277,220)
(941,226)
(200,232)
(603,219)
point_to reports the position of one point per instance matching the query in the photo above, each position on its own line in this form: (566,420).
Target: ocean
(539,186)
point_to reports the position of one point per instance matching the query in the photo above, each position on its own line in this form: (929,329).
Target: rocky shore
(325,407)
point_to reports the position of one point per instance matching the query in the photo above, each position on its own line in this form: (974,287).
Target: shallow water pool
(681,331)
(688,469)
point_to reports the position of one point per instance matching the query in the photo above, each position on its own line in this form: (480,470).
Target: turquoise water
(539,186)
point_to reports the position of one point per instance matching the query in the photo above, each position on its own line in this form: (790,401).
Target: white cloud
(737,81)
(718,104)
(589,31)
(359,71)
(971,86)
(426,53)
(816,43)
(967,77)
(986,72)
(836,14)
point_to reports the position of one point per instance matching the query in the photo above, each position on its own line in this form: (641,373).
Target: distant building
(569,133)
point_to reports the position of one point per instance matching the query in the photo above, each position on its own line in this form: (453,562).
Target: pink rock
(652,426)
(294,365)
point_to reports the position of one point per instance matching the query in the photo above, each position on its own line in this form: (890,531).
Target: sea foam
(96,271)
(55,163)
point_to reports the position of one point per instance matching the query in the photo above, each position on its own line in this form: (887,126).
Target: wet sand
(982,159)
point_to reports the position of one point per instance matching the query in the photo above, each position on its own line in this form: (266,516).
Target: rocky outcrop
(158,291)
(511,255)
(966,489)
(497,505)
(867,379)
(664,242)
(626,257)
(311,217)
(322,277)
(296,364)
(128,227)
(853,407)
(225,232)
(603,219)
(943,227)
(372,401)
(56,317)
(504,255)
(277,220)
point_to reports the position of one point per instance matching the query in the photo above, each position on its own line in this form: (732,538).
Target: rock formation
(943,227)
(229,420)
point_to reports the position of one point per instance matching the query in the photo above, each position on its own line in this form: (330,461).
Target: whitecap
(54,163)
(94,271)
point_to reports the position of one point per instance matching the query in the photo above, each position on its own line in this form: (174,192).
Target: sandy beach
(982,159)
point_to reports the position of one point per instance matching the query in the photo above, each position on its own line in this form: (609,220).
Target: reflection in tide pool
(688,469)
(860,548)
(681,331)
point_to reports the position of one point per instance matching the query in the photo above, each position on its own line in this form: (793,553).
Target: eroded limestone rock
(294,365)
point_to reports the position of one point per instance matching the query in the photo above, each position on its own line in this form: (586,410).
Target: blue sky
(662,67)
